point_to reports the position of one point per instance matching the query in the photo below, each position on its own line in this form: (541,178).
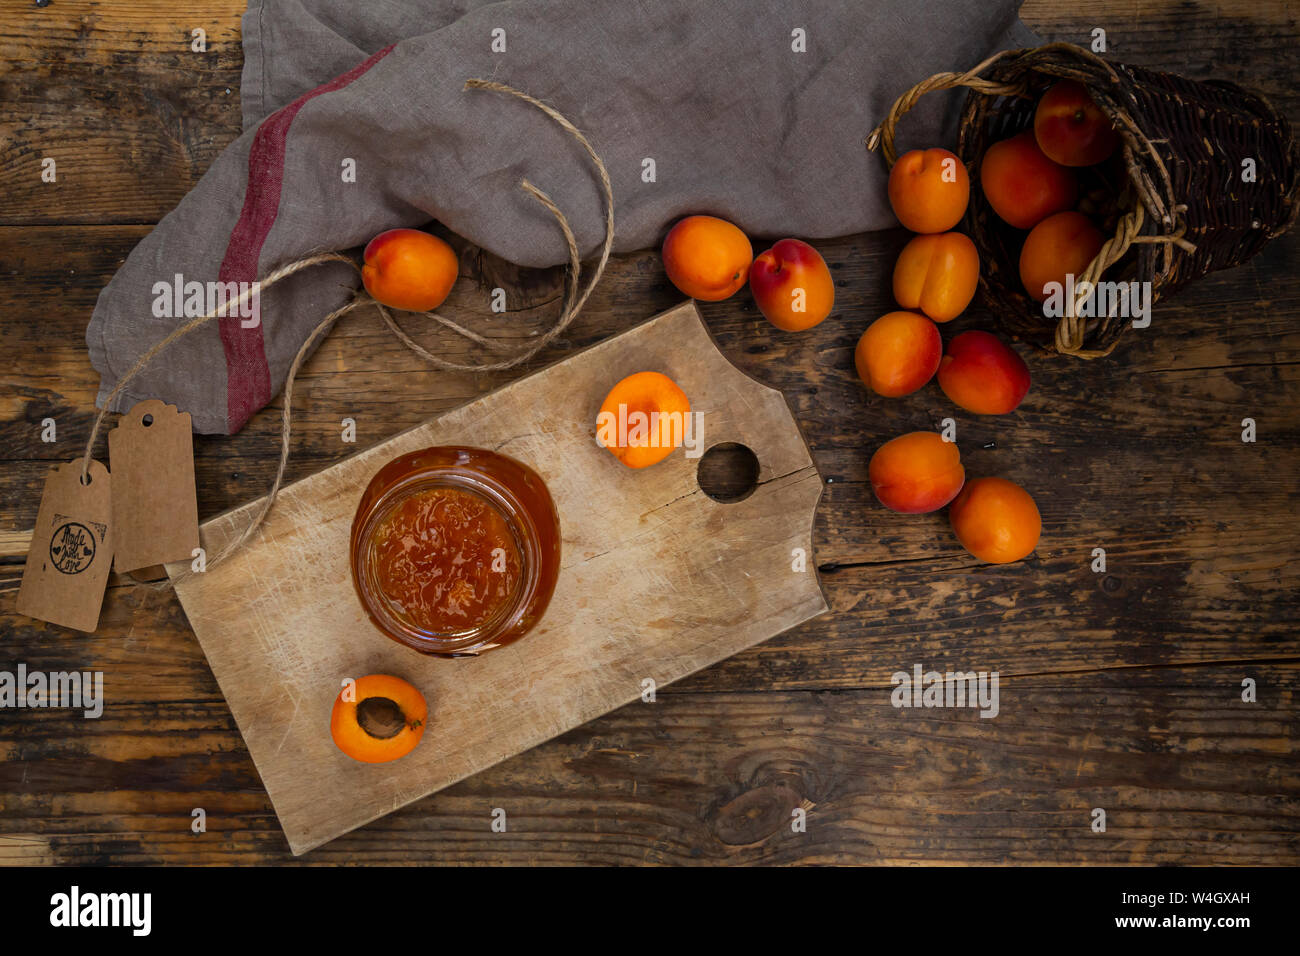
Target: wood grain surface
(1120,690)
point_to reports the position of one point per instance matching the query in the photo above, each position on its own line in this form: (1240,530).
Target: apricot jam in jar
(455,550)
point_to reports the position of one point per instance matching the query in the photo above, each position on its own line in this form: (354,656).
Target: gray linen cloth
(738,122)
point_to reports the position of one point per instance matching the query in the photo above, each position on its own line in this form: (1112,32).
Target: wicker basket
(1183,207)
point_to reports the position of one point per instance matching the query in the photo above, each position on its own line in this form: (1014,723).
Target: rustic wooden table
(1120,690)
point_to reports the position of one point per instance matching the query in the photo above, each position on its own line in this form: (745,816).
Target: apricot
(707,258)
(1070,127)
(898,353)
(916,473)
(996,520)
(384,720)
(642,419)
(929,190)
(983,374)
(1060,245)
(409,269)
(792,285)
(937,274)
(1022,185)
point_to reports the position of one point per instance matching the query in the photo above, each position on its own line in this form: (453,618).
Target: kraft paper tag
(71,550)
(155,510)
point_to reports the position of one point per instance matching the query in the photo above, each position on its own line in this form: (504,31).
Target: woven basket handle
(882,136)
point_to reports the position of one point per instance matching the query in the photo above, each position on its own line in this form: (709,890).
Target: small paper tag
(155,511)
(71,550)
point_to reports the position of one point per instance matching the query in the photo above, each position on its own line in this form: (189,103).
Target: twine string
(574,300)
(229,307)
(285,424)
(566,315)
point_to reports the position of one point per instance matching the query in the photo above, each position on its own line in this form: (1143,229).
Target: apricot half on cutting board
(383,719)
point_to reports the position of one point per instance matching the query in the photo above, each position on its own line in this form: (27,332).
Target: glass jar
(455,550)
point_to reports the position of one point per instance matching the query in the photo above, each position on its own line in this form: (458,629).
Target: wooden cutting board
(657,580)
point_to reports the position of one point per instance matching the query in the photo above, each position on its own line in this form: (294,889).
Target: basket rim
(1156,217)
(1166,214)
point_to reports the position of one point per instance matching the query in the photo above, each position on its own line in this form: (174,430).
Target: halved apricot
(383,720)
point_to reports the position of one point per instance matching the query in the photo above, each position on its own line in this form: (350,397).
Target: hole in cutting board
(728,472)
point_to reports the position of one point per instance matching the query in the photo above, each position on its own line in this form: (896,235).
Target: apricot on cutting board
(384,720)
(642,419)
(707,258)
(409,269)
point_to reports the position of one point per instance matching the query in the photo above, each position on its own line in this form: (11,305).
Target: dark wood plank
(115,95)
(1186,772)
(1251,44)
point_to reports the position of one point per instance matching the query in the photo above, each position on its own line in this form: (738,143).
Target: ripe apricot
(409,269)
(792,285)
(384,720)
(1071,128)
(929,190)
(642,419)
(707,258)
(916,473)
(937,274)
(996,520)
(1022,185)
(983,374)
(1058,246)
(898,353)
